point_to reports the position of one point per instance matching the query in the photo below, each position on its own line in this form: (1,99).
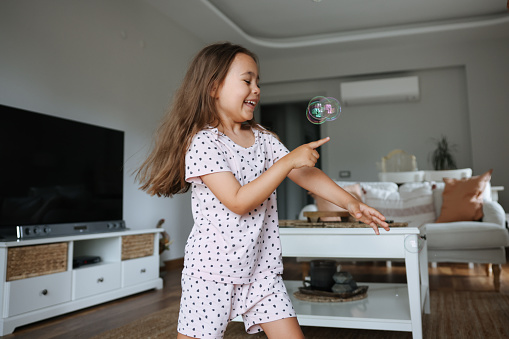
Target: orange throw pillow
(462,198)
(324,205)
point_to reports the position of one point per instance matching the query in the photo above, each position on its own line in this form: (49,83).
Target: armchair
(481,242)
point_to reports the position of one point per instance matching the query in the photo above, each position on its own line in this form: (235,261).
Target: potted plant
(442,158)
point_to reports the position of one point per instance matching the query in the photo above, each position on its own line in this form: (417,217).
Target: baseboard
(174,264)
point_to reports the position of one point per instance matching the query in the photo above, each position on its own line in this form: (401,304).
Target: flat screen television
(58,176)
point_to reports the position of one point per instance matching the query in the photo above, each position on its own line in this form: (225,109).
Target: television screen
(56,171)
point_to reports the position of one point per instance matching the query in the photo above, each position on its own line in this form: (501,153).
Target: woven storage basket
(33,261)
(137,246)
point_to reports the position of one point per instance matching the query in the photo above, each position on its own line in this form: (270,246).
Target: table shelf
(385,308)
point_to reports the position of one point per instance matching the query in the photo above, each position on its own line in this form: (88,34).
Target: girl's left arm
(317,182)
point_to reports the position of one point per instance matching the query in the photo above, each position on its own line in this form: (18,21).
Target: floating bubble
(321,109)
(414,244)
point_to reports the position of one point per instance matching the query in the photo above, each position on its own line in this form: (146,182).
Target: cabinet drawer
(140,270)
(30,294)
(94,280)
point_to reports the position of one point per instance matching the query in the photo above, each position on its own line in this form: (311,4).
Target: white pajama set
(232,263)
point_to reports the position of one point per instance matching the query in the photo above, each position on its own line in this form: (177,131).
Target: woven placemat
(329,297)
(331,224)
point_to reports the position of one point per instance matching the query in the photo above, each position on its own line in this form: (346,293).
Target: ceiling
(275,27)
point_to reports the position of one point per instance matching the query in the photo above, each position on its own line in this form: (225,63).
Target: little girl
(210,142)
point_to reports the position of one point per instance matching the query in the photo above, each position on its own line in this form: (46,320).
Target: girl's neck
(240,134)
(233,128)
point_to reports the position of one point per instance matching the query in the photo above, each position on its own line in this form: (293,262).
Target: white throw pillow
(412,203)
(381,185)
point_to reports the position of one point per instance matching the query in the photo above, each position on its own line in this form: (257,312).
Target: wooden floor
(95,320)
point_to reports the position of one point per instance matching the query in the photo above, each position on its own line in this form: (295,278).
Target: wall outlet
(344,174)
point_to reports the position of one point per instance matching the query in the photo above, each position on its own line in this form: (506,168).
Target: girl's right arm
(242,199)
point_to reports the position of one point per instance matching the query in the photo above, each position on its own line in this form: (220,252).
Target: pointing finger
(318,143)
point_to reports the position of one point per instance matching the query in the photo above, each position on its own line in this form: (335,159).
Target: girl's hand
(367,215)
(305,155)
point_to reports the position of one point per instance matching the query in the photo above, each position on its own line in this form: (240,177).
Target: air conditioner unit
(403,89)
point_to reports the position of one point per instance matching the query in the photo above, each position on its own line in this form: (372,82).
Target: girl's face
(237,96)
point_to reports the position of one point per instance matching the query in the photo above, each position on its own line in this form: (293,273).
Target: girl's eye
(249,83)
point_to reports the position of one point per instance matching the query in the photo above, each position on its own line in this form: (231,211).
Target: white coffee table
(395,307)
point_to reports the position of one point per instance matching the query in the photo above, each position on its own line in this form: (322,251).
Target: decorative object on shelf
(328,284)
(442,158)
(320,273)
(344,282)
(164,240)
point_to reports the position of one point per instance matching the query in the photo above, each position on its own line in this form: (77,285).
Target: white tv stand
(46,284)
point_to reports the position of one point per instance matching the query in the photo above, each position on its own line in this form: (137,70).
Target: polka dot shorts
(206,307)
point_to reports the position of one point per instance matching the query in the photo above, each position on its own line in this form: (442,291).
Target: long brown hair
(193,108)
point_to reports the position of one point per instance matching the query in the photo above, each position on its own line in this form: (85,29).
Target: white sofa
(420,204)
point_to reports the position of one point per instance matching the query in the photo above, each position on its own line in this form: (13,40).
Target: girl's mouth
(250,103)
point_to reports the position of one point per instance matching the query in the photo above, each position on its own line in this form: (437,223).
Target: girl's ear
(213,91)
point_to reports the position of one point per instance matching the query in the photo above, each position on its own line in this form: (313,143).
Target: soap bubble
(321,109)
(414,244)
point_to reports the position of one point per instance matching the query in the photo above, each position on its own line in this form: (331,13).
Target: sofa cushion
(325,205)
(466,235)
(366,185)
(438,190)
(381,185)
(413,203)
(462,198)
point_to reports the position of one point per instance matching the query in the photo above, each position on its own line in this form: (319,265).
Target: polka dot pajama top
(224,246)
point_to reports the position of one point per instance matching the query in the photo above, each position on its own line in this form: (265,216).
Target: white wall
(485,82)
(112,63)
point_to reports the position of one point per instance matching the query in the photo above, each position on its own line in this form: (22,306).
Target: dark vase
(321,273)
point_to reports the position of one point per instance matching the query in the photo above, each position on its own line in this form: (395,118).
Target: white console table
(395,307)
(45,284)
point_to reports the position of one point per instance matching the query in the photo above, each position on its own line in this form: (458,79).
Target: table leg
(423,266)
(413,282)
